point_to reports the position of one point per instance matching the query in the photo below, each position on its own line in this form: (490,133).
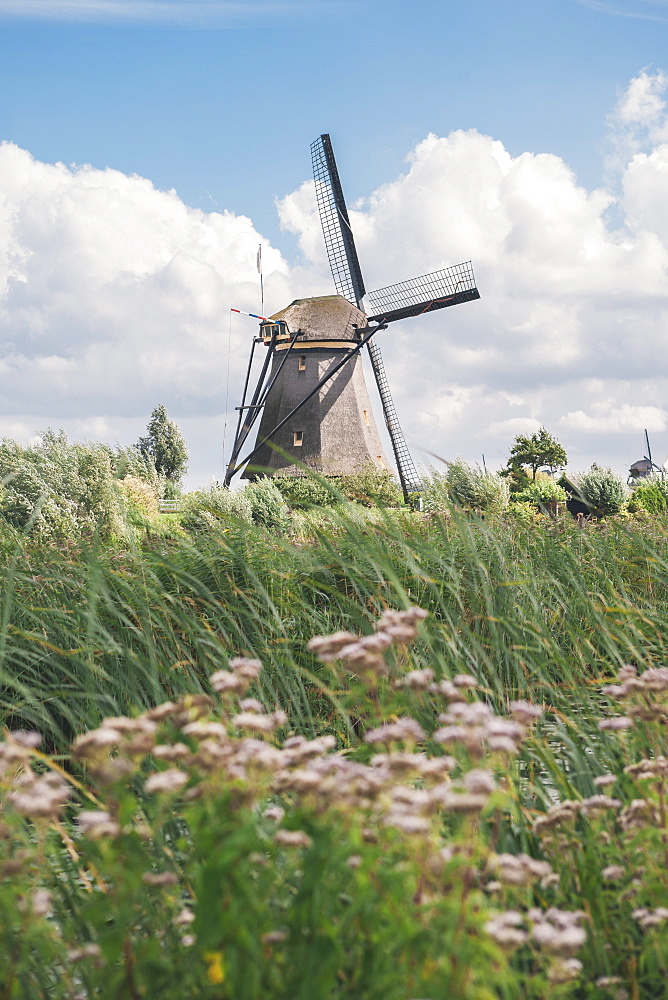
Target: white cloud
(572,312)
(646,10)
(642,102)
(191,13)
(607,418)
(115,296)
(639,121)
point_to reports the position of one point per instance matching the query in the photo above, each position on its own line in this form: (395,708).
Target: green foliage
(533,451)
(131,462)
(603,490)
(165,446)
(541,493)
(268,507)
(540,611)
(198,850)
(59,490)
(207,509)
(606,840)
(371,487)
(307,491)
(650,495)
(270,868)
(466,485)
(141,500)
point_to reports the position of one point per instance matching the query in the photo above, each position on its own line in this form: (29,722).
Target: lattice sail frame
(339,241)
(410,481)
(423,294)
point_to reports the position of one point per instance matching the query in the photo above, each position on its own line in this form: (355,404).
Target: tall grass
(543,613)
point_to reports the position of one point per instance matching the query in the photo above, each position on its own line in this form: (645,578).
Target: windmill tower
(311,393)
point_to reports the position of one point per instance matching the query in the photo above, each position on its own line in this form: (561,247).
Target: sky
(147,147)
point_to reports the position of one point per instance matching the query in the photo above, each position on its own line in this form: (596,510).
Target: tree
(165,446)
(536,451)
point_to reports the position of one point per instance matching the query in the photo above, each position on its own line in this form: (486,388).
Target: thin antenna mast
(259,271)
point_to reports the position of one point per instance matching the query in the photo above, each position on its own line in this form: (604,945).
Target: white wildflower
(274,937)
(97,823)
(274,813)
(416,679)
(612,873)
(24,738)
(564,970)
(524,712)
(170,780)
(160,878)
(293,838)
(599,802)
(407,822)
(617,723)
(506,929)
(85,951)
(251,705)
(201,730)
(479,782)
(40,902)
(402,730)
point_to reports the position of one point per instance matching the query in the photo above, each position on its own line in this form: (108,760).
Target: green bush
(541,493)
(650,495)
(220,501)
(466,485)
(267,504)
(603,490)
(371,487)
(307,491)
(140,498)
(130,462)
(59,490)
(526,513)
(206,510)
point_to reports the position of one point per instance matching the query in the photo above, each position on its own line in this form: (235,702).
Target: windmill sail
(339,240)
(425,294)
(410,481)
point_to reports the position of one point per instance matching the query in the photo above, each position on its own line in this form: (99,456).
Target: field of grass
(547,614)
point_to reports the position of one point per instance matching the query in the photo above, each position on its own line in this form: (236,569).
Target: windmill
(311,394)
(645,466)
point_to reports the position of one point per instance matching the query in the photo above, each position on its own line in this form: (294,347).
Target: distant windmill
(644,467)
(311,391)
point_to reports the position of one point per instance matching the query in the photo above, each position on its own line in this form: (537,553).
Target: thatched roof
(323,317)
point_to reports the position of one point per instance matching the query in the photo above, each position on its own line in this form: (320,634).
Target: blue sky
(220,101)
(222,107)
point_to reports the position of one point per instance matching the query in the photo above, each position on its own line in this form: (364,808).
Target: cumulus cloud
(607,418)
(572,314)
(638,123)
(115,296)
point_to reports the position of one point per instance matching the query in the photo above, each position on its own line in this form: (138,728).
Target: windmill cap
(322,317)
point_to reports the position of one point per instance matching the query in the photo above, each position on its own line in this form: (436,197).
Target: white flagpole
(259,271)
